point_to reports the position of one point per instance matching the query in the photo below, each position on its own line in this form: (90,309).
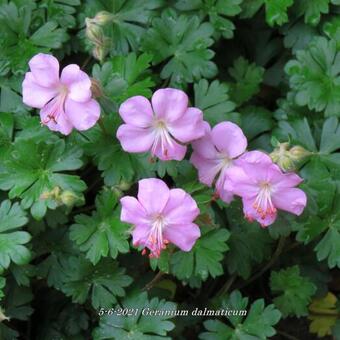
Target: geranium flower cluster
(164,127)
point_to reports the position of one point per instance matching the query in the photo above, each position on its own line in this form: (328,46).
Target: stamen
(263,203)
(162,137)
(57,106)
(156,241)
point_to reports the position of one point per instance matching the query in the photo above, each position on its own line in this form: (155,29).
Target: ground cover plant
(169,169)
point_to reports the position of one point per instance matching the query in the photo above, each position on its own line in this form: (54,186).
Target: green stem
(102,126)
(149,285)
(226,286)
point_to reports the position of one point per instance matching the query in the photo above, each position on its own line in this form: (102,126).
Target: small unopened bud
(102,18)
(117,192)
(298,153)
(96,88)
(99,53)
(53,194)
(289,159)
(68,198)
(123,185)
(94,32)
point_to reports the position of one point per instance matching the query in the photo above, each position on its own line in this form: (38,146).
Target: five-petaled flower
(160,216)
(66,101)
(214,155)
(162,126)
(264,188)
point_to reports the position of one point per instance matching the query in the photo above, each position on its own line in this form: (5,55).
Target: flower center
(57,105)
(156,241)
(263,203)
(162,137)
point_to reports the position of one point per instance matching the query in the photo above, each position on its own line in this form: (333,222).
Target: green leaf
(258,323)
(295,291)
(255,121)
(218,12)
(103,282)
(34,168)
(12,242)
(276,11)
(21,31)
(16,302)
(205,257)
(124,77)
(248,77)
(103,233)
(213,100)
(298,132)
(314,76)
(329,247)
(330,136)
(139,325)
(129,23)
(249,244)
(312,10)
(115,164)
(56,248)
(182,42)
(250,8)
(61,11)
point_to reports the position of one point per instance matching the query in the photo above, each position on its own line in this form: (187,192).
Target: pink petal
(82,115)
(62,124)
(292,200)
(255,157)
(169,104)
(183,236)
(140,235)
(137,111)
(45,69)
(188,127)
(225,195)
(251,214)
(132,211)
(135,139)
(180,208)
(77,82)
(35,95)
(169,150)
(286,180)
(205,146)
(207,168)
(241,183)
(229,138)
(153,194)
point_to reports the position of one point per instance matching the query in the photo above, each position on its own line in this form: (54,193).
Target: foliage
(67,262)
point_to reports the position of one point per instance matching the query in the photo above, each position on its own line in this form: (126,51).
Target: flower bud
(102,18)
(53,194)
(99,52)
(289,159)
(298,153)
(94,32)
(68,198)
(124,185)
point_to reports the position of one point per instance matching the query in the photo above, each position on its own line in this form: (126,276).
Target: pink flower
(264,188)
(65,102)
(161,216)
(160,126)
(214,155)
